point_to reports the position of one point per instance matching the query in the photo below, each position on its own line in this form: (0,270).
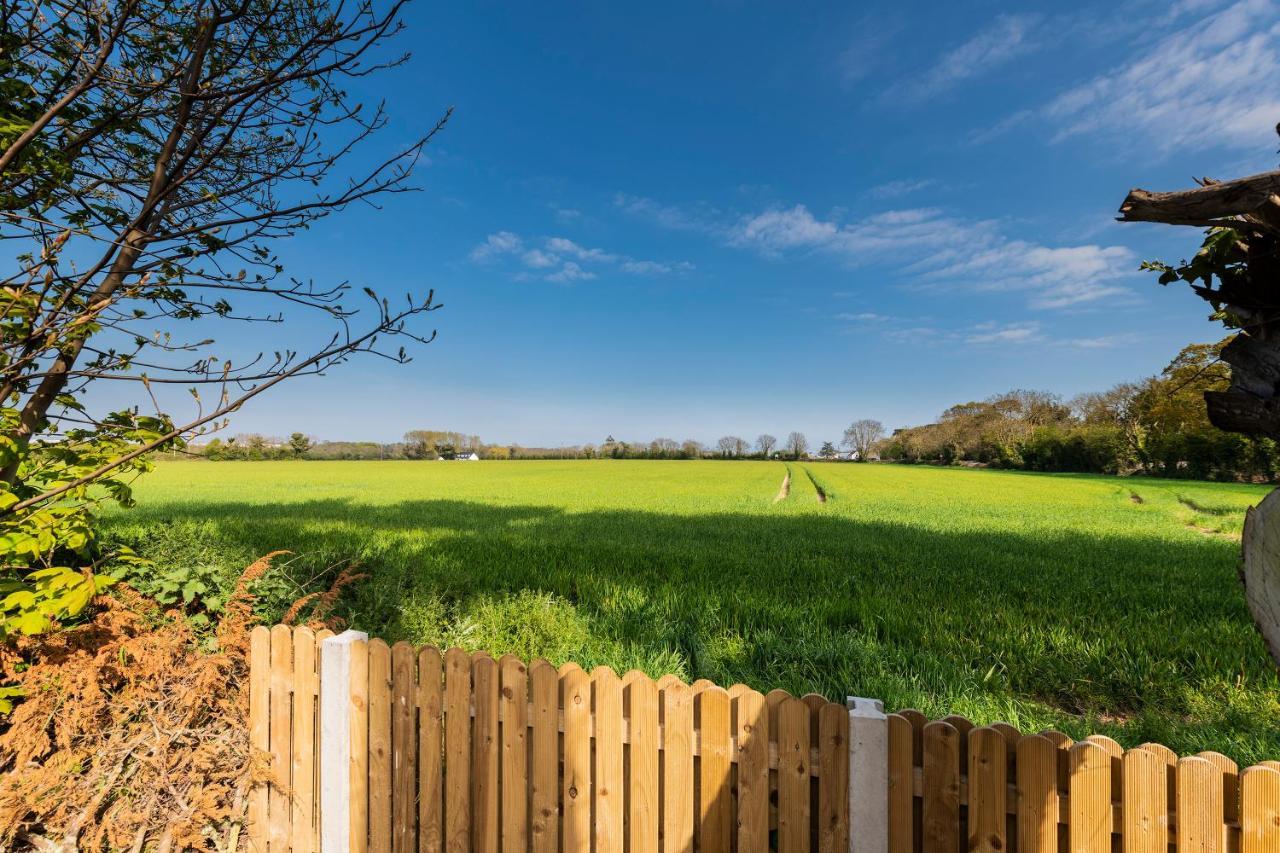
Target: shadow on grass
(1145,638)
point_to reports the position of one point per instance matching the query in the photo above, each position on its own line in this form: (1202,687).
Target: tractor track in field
(817,487)
(785,491)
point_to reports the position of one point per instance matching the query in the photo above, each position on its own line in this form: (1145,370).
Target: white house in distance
(468,456)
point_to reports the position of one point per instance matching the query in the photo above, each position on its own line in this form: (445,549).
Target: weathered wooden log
(1239,411)
(1261,569)
(1206,205)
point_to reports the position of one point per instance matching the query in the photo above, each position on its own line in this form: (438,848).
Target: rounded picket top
(541,665)
(322,635)
(737,689)
(604,673)
(1274,765)
(667,680)
(1008,731)
(568,667)
(480,655)
(1111,747)
(701,684)
(429,660)
(815,701)
(506,659)
(634,675)
(303,634)
(1059,739)
(1226,765)
(963,725)
(917,719)
(1167,755)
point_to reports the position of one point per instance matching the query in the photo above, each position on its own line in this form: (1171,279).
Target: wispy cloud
(1008,333)
(1004,39)
(928,246)
(897,189)
(1208,82)
(496,245)
(562,260)
(570,272)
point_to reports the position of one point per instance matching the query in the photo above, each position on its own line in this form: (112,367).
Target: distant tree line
(1156,426)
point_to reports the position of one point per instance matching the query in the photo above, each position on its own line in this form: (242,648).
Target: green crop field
(1076,602)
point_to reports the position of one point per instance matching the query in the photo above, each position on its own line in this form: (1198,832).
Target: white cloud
(1215,82)
(538,259)
(775,230)
(897,189)
(1006,38)
(508,244)
(1011,333)
(568,247)
(501,243)
(703,220)
(571,272)
(654,267)
(863,317)
(1103,341)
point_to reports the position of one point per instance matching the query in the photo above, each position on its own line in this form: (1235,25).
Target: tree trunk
(1261,568)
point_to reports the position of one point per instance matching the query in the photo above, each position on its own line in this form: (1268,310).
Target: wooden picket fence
(953,786)
(458,752)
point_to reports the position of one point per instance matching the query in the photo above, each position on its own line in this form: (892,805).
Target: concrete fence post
(868,776)
(335,757)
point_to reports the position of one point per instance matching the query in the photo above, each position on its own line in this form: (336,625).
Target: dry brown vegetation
(132,733)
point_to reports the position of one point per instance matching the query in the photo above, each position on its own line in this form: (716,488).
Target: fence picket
(833,779)
(640,697)
(988,774)
(513,697)
(457,751)
(1145,805)
(404,749)
(677,768)
(1090,799)
(793,777)
(751,722)
(1199,807)
(484,755)
(1260,810)
(544,770)
(379,745)
(606,691)
(1037,795)
(575,695)
(715,807)
(1230,784)
(940,803)
(306,685)
(430,751)
(901,796)
(279,809)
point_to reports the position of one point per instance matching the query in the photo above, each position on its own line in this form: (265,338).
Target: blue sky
(692,220)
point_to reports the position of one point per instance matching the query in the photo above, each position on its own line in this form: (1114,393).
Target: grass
(1076,602)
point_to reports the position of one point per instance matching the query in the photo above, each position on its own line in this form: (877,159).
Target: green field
(1077,602)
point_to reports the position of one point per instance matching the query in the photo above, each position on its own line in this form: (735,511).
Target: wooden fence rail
(458,752)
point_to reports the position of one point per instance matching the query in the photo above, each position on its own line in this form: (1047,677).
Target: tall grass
(1043,600)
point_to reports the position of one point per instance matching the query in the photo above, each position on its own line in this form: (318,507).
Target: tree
(725,445)
(861,437)
(691,449)
(151,153)
(797,445)
(299,444)
(765,444)
(828,450)
(1236,271)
